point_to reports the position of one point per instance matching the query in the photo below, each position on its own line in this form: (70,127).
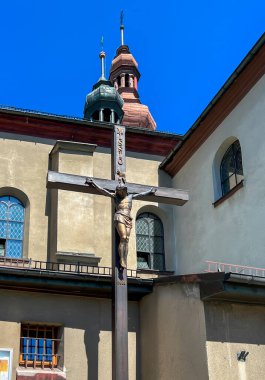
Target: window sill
(155,271)
(229,194)
(34,374)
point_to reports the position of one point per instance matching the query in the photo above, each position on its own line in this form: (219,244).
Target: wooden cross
(82,184)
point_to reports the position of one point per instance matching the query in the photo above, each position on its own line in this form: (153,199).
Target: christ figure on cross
(122,216)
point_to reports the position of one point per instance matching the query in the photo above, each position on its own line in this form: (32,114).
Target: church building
(196,264)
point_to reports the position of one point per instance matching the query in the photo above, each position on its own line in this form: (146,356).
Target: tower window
(119,81)
(127,80)
(12,214)
(116,117)
(95,116)
(150,242)
(106,115)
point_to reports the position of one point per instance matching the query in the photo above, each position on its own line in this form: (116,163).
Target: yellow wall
(24,165)
(86,328)
(75,223)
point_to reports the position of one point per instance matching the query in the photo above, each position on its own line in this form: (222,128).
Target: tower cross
(122,194)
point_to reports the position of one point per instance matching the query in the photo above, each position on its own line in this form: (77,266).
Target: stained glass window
(150,242)
(12,214)
(231,169)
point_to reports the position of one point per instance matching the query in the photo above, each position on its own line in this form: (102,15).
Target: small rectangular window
(2,247)
(39,346)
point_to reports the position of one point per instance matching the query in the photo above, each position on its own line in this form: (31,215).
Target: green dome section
(104,103)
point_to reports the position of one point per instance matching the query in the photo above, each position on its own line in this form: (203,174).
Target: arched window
(150,242)
(231,168)
(12,215)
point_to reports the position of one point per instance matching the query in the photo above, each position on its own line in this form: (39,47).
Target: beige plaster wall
(85,225)
(9,333)
(74,212)
(62,221)
(86,328)
(173,334)
(232,328)
(102,209)
(23,166)
(233,232)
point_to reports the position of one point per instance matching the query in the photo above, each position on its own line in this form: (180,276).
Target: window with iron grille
(12,215)
(231,169)
(39,346)
(150,242)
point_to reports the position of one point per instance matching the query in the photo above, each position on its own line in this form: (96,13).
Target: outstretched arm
(148,192)
(91,182)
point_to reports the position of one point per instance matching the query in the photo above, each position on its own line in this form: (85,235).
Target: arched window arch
(12,217)
(231,168)
(150,242)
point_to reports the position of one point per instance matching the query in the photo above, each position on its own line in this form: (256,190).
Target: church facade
(195,272)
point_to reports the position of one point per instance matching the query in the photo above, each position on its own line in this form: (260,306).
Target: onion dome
(104,103)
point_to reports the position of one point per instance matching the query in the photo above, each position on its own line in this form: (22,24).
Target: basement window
(39,346)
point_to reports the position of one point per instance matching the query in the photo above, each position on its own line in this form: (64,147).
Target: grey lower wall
(173,334)
(232,328)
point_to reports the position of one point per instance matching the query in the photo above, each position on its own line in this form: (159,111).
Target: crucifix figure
(123,194)
(122,216)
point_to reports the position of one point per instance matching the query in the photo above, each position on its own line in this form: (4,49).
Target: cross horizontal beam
(71,182)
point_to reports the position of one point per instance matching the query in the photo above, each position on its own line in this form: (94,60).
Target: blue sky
(185,51)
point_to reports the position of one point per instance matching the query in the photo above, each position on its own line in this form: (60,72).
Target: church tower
(124,75)
(104,103)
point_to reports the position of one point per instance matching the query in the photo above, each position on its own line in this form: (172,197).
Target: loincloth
(123,218)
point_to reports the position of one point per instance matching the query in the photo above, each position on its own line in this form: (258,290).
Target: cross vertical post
(119,276)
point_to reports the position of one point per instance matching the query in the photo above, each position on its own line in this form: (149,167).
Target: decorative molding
(87,258)
(72,146)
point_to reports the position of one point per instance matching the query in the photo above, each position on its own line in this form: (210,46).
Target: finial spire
(102,43)
(102,56)
(122,28)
